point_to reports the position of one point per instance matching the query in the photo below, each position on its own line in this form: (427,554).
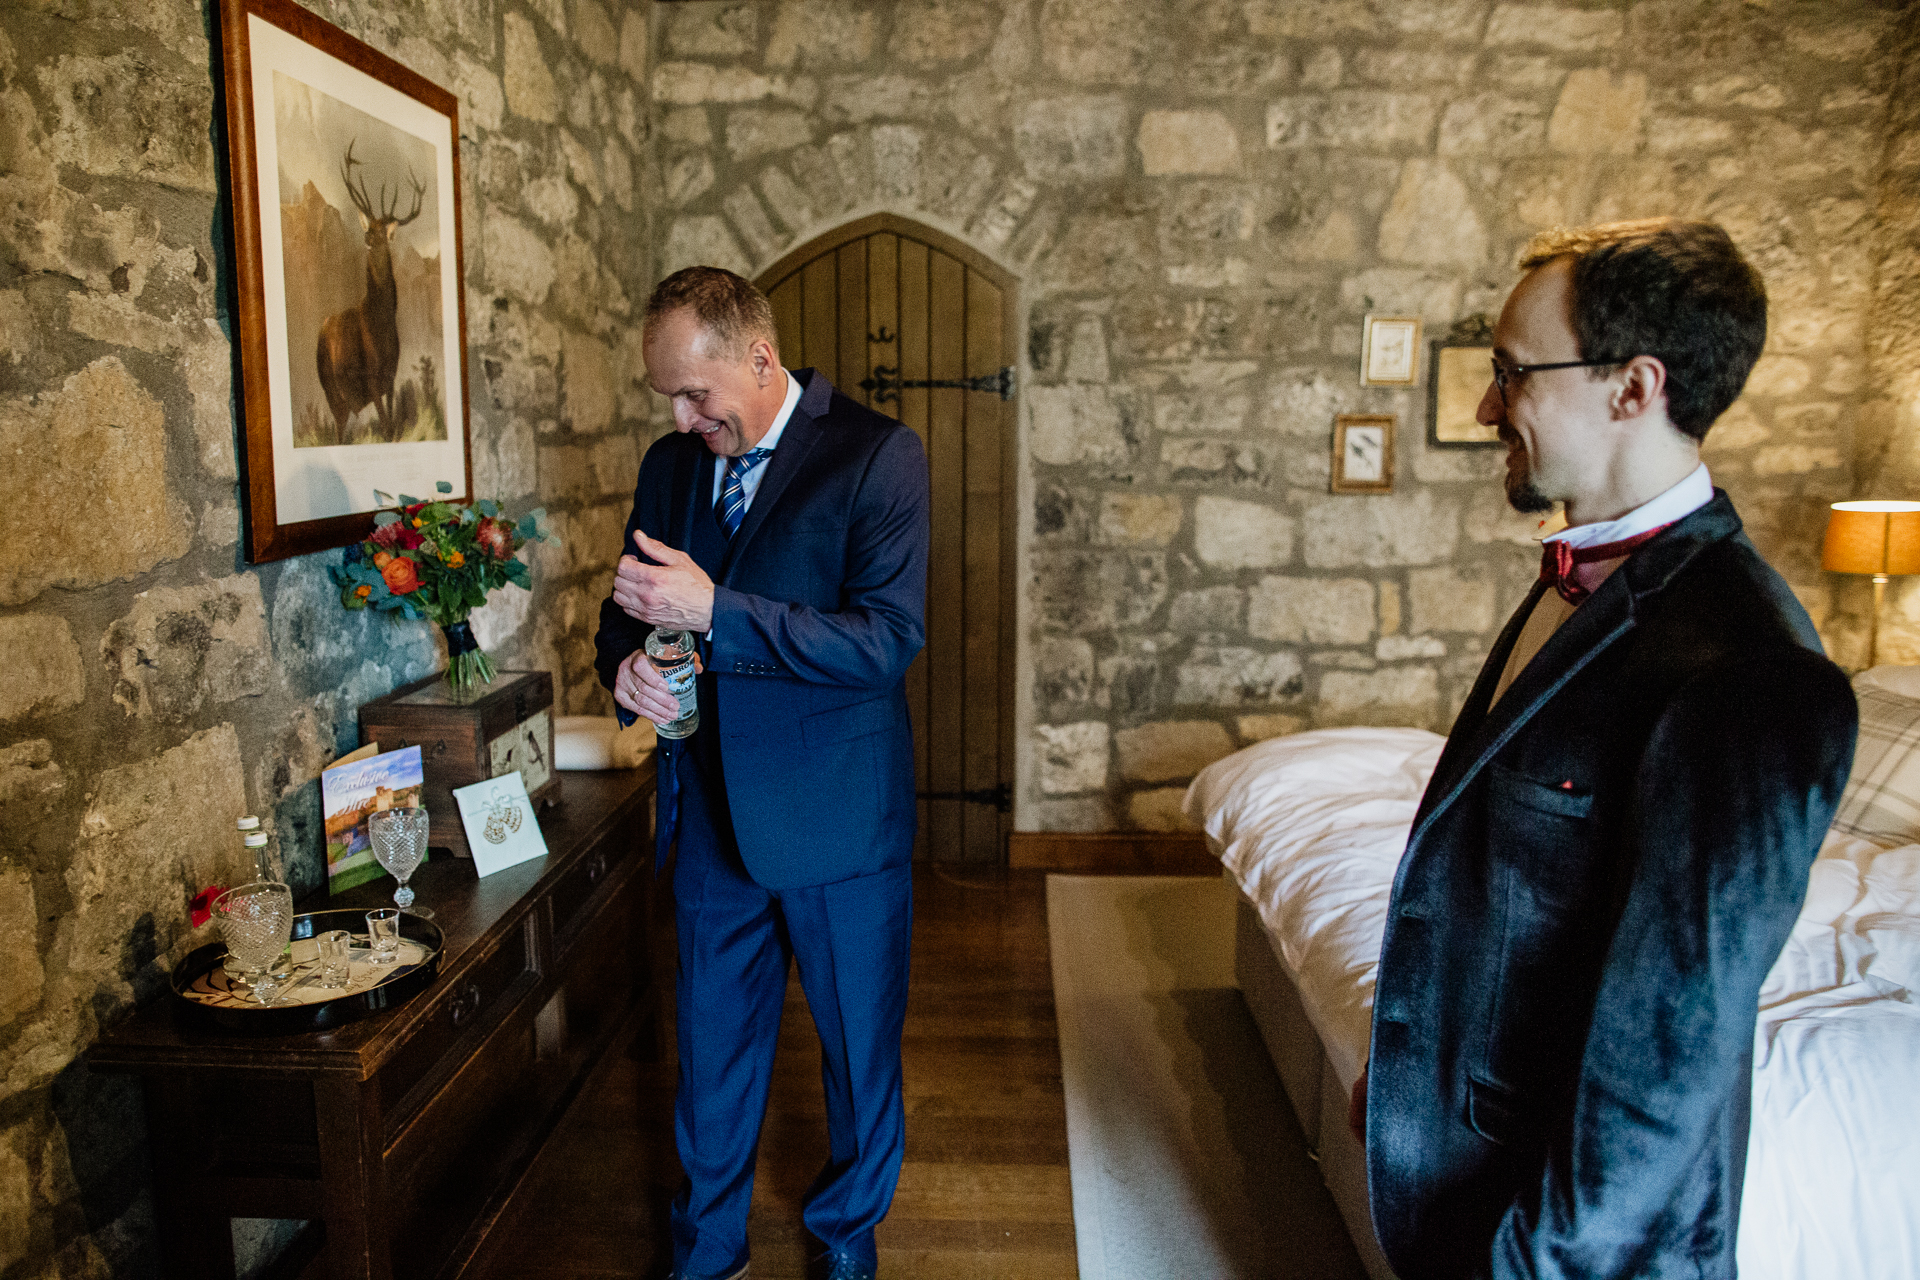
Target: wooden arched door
(922,328)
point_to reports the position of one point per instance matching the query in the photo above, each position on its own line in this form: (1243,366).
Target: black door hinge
(886,383)
(1000,797)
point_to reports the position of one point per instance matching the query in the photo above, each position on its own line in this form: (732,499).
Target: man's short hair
(1675,290)
(728,307)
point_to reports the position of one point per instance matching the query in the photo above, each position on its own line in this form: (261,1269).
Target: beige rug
(1187,1162)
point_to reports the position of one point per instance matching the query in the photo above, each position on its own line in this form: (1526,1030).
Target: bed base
(1312,1085)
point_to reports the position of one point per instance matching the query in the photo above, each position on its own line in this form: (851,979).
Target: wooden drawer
(571,899)
(473,1001)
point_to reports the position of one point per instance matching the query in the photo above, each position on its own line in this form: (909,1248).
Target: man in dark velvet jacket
(1616,840)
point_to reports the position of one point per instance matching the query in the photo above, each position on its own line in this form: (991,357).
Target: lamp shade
(1872,537)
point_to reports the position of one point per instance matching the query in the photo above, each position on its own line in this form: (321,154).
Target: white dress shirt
(750,482)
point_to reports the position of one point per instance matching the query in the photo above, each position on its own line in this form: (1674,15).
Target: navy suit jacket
(818,609)
(1604,867)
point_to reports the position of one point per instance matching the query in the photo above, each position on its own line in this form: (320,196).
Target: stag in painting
(360,230)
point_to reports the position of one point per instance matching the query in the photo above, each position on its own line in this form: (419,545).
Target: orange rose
(455,559)
(380,559)
(400,575)
(363,591)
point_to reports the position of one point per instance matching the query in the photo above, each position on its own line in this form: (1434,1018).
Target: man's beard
(1524,496)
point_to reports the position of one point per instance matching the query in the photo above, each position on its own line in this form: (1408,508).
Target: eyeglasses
(1505,373)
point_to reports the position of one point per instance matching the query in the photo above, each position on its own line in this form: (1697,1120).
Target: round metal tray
(404,982)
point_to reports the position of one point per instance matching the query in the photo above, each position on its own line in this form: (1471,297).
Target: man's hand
(673,592)
(641,689)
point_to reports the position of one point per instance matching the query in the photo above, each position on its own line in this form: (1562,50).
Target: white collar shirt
(750,482)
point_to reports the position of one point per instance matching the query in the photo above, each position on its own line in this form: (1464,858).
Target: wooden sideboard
(400,1135)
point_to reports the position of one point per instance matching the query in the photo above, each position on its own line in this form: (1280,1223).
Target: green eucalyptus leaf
(442,486)
(381,519)
(487,507)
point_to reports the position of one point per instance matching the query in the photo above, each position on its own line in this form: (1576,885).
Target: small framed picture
(1390,351)
(1363,453)
(1455,387)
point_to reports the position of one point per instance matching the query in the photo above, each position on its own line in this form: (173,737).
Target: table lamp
(1880,537)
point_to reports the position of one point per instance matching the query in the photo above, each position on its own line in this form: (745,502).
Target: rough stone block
(1491,124)
(1796,459)
(94,452)
(1081,591)
(1159,809)
(1070,757)
(21,975)
(687,178)
(1072,139)
(184,648)
(1434,296)
(1209,610)
(1597,114)
(1131,519)
(130,116)
(749,217)
(703,241)
(1087,352)
(552,199)
(929,32)
(483,100)
(587,383)
(44,666)
(1169,750)
(1311,19)
(519,263)
(615,463)
(1739,90)
(1450,599)
(1671,135)
(759,131)
(789,205)
(1192,413)
(711,31)
(1361,120)
(1381,532)
(1779,376)
(1005,211)
(582,167)
(1230,533)
(1390,696)
(820,33)
(152,828)
(1431,221)
(1187,142)
(1102,41)
(1235,677)
(29,779)
(1078,813)
(896,163)
(1400,648)
(1062,671)
(1259,728)
(1078,423)
(691,83)
(1566,30)
(529,81)
(1304,402)
(1315,610)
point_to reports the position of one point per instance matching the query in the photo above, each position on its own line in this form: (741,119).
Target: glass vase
(467,663)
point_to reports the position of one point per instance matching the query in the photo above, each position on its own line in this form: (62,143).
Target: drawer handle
(466,1003)
(597,868)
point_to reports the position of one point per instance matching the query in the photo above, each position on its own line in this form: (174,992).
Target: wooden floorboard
(983,1191)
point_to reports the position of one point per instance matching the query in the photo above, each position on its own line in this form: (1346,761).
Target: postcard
(501,828)
(354,788)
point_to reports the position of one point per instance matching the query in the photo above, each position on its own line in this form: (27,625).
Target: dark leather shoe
(844,1266)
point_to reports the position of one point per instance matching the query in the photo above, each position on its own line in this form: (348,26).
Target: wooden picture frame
(1457,378)
(1390,351)
(1363,453)
(345,189)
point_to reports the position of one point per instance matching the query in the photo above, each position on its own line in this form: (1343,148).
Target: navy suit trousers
(736,938)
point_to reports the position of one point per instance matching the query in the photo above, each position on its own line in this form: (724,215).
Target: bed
(1310,829)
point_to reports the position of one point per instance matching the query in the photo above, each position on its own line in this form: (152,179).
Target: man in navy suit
(787,528)
(1616,840)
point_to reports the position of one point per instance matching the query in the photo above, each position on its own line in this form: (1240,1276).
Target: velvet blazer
(1605,865)
(819,607)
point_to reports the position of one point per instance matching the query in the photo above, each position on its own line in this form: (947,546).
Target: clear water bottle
(671,653)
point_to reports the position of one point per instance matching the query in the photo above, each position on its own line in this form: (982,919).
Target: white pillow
(598,742)
(1890,678)
(1881,802)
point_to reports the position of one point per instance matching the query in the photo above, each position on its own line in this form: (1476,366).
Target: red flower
(396,537)
(401,576)
(495,538)
(200,906)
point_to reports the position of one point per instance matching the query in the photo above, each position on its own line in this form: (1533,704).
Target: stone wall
(1203,202)
(156,685)
(1887,446)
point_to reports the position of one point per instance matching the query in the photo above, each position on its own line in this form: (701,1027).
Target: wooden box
(496,729)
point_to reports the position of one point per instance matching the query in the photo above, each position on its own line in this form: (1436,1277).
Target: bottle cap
(255,839)
(248,823)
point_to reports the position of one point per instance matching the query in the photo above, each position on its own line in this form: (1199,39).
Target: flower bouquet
(438,560)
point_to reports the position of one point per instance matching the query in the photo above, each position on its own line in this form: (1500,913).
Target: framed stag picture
(345,171)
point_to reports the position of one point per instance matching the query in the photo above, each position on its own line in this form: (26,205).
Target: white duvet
(1312,826)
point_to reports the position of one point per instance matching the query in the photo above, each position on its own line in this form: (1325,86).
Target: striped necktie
(732,507)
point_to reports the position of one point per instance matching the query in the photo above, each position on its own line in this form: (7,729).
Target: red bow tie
(1559,562)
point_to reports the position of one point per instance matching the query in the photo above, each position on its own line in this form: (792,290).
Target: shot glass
(335,972)
(383,930)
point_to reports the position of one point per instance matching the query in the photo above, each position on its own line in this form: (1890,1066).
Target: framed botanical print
(1390,351)
(1363,453)
(1457,380)
(345,171)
